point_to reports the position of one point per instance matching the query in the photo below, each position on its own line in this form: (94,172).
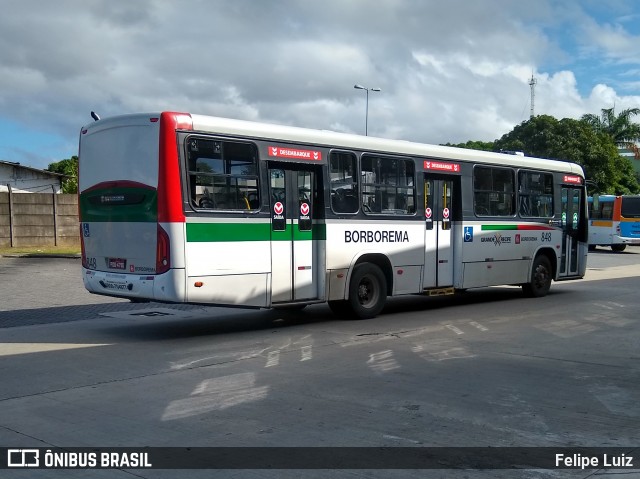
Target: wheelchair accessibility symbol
(468,234)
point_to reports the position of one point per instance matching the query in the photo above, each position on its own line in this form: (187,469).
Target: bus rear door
(294,246)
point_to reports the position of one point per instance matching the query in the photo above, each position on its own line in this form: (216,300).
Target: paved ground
(487,368)
(50,290)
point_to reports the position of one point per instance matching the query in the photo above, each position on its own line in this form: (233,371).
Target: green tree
(68,167)
(474,145)
(577,141)
(620,128)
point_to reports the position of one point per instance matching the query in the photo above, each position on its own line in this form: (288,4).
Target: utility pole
(532,84)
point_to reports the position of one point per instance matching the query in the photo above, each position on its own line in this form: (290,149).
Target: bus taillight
(163,259)
(85,263)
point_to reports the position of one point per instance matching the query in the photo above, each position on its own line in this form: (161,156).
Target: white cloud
(449,71)
(613,41)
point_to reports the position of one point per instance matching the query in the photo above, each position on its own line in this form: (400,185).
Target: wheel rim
(368,292)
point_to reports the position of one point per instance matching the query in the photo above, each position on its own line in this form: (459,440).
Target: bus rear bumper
(169,286)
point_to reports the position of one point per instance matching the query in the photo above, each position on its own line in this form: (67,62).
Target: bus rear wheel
(367,291)
(540,278)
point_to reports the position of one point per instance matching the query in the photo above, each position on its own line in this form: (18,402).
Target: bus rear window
(630,207)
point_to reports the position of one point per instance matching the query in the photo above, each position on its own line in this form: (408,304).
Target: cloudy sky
(449,71)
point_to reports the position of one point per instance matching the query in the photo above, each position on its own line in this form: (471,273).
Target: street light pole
(366,116)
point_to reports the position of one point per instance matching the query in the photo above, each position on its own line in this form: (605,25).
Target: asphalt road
(485,368)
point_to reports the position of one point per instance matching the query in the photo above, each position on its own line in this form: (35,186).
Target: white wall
(26,180)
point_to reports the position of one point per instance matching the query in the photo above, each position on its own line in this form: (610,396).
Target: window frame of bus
(492,191)
(524,190)
(337,198)
(410,189)
(242,203)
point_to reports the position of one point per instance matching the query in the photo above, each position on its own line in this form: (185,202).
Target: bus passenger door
(571,220)
(294,254)
(438,264)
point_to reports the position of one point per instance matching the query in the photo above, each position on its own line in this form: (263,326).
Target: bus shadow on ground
(221,321)
(157,321)
(218,321)
(55,314)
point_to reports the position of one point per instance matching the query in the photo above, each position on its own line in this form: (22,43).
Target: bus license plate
(117,263)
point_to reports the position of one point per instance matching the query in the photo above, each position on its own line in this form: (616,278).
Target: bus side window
(535,190)
(344,182)
(388,185)
(493,191)
(222,174)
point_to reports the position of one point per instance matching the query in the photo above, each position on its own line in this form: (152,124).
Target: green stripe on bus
(217,232)
(208,232)
(102,206)
(499,227)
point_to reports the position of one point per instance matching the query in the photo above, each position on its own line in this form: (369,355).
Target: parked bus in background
(614,221)
(177,207)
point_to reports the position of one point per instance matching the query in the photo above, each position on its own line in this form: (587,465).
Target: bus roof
(331,139)
(368,143)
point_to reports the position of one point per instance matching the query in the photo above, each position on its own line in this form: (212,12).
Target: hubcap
(541,277)
(366,292)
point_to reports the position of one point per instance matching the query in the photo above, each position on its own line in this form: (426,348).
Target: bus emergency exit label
(283,152)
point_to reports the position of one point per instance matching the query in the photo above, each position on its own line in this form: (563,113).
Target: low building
(25,179)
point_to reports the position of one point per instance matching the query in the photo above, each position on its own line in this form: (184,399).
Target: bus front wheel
(540,278)
(367,291)
(618,248)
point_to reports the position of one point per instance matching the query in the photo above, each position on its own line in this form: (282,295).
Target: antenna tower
(532,84)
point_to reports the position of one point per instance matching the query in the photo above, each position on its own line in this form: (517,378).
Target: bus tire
(540,278)
(367,291)
(618,248)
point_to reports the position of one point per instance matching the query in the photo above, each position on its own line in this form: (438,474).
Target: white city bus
(614,221)
(177,207)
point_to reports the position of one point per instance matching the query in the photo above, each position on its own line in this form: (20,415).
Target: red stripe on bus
(169,189)
(534,227)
